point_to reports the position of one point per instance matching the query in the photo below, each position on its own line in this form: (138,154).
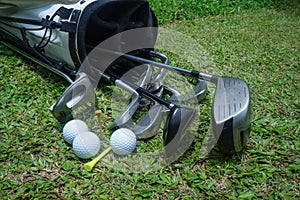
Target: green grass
(261,47)
(170,10)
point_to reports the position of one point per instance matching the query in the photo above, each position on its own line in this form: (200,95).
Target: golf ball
(86,145)
(123,141)
(72,129)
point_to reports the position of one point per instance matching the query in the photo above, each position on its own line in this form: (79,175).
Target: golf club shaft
(141,90)
(193,73)
(186,72)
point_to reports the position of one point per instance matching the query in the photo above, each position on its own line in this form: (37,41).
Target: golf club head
(176,137)
(79,93)
(198,92)
(127,114)
(231,114)
(149,124)
(136,100)
(146,77)
(152,86)
(151,121)
(157,80)
(175,96)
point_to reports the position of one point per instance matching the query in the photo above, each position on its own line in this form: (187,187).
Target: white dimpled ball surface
(123,141)
(72,129)
(86,145)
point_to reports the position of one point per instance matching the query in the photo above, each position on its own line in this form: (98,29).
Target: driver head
(231,114)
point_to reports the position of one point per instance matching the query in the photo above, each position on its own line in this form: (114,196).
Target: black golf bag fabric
(60,35)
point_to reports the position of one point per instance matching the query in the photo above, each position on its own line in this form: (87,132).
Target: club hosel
(172,107)
(206,77)
(195,74)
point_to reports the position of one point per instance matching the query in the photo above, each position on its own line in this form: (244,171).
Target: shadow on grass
(288,6)
(44,73)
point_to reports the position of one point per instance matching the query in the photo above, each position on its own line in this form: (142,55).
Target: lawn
(260,45)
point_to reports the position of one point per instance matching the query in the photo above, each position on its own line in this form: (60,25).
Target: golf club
(148,125)
(176,136)
(146,77)
(231,112)
(79,93)
(126,115)
(179,118)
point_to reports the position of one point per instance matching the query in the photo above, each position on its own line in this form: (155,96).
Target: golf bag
(59,34)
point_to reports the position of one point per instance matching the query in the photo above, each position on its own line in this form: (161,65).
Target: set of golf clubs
(231,108)
(230,116)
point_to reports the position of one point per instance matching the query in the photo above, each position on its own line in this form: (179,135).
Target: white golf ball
(72,129)
(123,141)
(86,145)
